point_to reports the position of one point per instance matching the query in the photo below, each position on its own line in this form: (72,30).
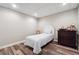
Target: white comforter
(37,41)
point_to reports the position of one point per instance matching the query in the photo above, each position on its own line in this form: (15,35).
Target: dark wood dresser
(67,38)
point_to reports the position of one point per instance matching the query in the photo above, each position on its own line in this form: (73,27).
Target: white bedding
(37,41)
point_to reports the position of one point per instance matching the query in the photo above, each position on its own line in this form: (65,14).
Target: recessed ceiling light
(14,5)
(35,14)
(64,4)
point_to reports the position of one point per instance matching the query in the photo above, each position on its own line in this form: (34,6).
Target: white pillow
(49,30)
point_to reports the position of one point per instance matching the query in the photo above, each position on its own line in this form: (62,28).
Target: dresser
(67,38)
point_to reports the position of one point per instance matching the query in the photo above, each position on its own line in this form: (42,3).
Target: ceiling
(40,9)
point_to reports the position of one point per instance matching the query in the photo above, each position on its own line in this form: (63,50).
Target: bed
(38,40)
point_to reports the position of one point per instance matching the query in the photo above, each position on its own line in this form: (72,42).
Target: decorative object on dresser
(67,38)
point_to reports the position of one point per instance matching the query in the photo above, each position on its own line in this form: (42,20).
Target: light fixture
(35,14)
(64,4)
(14,5)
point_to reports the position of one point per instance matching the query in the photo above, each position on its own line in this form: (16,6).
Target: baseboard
(55,40)
(78,40)
(18,42)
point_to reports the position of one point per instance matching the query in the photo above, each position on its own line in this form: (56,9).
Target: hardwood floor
(50,49)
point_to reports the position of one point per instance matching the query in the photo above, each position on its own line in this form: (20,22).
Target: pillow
(48,30)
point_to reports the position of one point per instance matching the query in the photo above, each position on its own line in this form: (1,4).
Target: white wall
(15,26)
(61,19)
(78,26)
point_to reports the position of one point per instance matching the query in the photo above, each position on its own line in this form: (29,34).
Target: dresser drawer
(67,38)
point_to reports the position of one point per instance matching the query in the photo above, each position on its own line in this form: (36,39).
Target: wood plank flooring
(49,49)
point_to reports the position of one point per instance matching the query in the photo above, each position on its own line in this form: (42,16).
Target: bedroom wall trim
(17,11)
(55,40)
(9,45)
(57,13)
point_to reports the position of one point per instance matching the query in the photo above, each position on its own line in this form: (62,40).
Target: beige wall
(61,19)
(15,26)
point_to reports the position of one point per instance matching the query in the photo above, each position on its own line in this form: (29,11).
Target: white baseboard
(18,42)
(56,40)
